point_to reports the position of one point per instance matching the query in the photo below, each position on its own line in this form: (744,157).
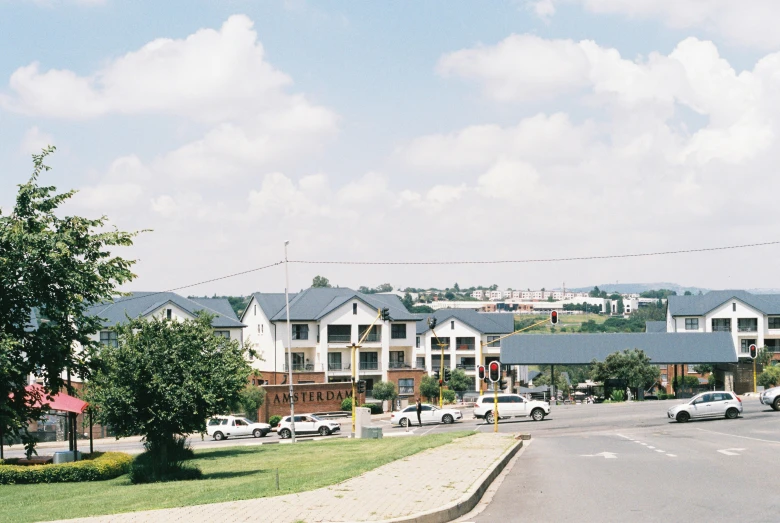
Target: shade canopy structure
(580,349)
(59,401)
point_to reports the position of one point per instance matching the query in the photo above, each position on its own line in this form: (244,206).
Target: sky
(435,131)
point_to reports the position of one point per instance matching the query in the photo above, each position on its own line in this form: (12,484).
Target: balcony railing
(399,365)
(301,367)
(465,367)
(369,365)
(339,366)
(721,328)
(339,338)
(747,328)
(465,346)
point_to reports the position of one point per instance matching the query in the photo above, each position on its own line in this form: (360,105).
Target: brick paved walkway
(420,483)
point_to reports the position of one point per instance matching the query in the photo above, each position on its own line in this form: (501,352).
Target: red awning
(59,401)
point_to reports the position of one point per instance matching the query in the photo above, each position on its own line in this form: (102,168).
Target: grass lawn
(230,474)
(571,322)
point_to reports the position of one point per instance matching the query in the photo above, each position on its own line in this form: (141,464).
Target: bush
(93,467)
(376,408)
(274,420)
(449,396)
(347,404)
(163,461)
(617,395)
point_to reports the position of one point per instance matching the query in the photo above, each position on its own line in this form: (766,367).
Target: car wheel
(732,413)
(285,433)
(683,417)
(537,414)
(219,436)
(447,418)
(776,403)
(324,431)
(258,433)
(489,417)
(404,422)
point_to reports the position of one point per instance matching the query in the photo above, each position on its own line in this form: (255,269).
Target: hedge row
(95,467)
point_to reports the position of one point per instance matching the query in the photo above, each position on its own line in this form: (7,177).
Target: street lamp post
(289,342)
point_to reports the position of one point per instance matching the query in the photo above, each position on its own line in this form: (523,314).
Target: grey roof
(580,349)
(533,374)
(314,303)
(484,322)
(221,305)
(270,302)
(701,305)
(139,304)
(655,326)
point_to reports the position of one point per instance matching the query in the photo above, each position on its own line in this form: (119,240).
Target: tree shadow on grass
(232,474)
(227,453)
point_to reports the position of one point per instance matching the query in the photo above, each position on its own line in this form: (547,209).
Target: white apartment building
(478,294)
(468,338)
(750,318)
(324,323)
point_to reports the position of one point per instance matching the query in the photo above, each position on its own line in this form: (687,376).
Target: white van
(510,406)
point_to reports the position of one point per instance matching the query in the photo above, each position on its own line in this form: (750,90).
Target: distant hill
(638,288)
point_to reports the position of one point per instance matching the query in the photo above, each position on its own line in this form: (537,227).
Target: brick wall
(399,374)
(280,378)
(314,397)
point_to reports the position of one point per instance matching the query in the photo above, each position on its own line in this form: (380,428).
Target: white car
(771,397)
(223,427)
(307,424)
(429,414)
(713,404)
(510,406)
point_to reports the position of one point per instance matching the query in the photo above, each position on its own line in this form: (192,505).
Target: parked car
(712,404)
(306,424)
(510,406)
(223,427)
(771,397)
(429,414)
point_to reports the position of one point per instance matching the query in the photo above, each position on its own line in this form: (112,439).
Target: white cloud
(34,140)
(107,197)
(751,23)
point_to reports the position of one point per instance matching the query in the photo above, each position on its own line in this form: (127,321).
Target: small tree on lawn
(631,365)
(770,377)
(459,382)
(385,390)
(429,388)
(163,380)
(249,400)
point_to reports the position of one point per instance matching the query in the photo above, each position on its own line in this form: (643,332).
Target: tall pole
(289,341)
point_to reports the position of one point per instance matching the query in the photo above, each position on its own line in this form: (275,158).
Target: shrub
(93,467)
(376,408)
(274,420)
(449,396)
(346,404)
(617,395)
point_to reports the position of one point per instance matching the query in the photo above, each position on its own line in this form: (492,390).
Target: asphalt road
(628,462)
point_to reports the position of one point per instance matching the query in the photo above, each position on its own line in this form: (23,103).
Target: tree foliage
(249,400)
(58,267)
(320,281)
(770,377)
(631,365)
(165,378)
(459,382)
(384,390)
(429,388)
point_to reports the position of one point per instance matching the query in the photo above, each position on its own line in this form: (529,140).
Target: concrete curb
(468,501)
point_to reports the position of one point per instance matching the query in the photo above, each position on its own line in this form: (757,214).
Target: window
(747,324)
(354,308)
(397,359)
(420,362)
(406,386)
(691,324)
(417,343)
(492,341)
(300,331)
(721,325)
(374,335)
(774,322)
(452,325)
(691,369)
(664,378)
(259,329)
(167,314)
(222,334)
(734,306)
(398,331)
(772,345)
(369,361)
(744,345)
(339,333)
(334,361)
(255,313)
(108,338)
(465,343)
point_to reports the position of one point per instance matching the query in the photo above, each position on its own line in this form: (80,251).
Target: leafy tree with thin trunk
(385,390)
(163,380)
(459,382)
(429,388)
(631,365)
(53,267)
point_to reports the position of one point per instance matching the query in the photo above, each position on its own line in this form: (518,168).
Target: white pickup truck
(771,397)
(223,427)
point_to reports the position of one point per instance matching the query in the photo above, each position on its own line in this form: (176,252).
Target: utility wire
(534,260)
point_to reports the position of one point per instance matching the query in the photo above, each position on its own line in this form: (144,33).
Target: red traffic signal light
(554,317)
(494,371)
(481,372)
(753,351)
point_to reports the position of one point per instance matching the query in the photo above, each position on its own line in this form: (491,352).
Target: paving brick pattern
(420,483)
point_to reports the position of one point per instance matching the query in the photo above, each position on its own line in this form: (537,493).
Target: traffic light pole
(495,405)
(355,375)
(441,368)
(755,389)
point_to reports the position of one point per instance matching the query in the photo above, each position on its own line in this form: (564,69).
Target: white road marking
(672,455)
(606,455)
(731,452)
(660,451)
(743,437)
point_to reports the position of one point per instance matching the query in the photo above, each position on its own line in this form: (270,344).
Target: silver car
(714,404)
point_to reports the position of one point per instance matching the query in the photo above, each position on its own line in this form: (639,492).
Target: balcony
(399,365)
(301,367)
(339,338)
(466,367)
(721,328)
(335,367)
(466,346)
(747,328)
(369,365)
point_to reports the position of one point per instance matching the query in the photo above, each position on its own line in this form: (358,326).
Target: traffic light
(753,351)
(494,371)
(361,386)
(447,375)
(481,372)
(432,322)
(385,313)
(436,375)
(502,384)
(554,317)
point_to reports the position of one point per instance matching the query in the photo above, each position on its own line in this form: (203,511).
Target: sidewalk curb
(469,500)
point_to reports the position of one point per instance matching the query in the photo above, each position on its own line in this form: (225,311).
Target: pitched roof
(701,305)
(655,326)
(316,302)
(580,349)
(139,304)
(484,322)
(221,305)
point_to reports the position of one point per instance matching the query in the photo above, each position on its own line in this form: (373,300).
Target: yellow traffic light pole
(355,374)
(441,368)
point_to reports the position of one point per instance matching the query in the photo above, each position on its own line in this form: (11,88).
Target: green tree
(703,368)
(385,287)
(456,287)
(449,295)
(429,388)
(249,400)
(57,266)
(595,293)
(687,293)
(764,356)
(770,377)
(320,281)
(631,365)
(163,380)
(385,391)
(459,382)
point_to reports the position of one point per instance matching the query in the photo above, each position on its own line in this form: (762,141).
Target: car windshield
(248,422)
(214,421)
(313,417)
